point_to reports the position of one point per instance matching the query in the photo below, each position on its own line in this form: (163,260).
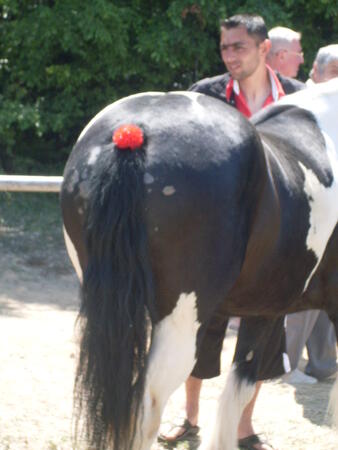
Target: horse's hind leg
(236,395)
(247,368)
(171,359)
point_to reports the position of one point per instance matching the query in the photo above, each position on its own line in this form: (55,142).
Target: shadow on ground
(47,281)
(304,395)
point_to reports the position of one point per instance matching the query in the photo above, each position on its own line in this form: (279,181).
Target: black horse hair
(117,305)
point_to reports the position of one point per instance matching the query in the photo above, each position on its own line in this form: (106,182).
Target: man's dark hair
(254,25)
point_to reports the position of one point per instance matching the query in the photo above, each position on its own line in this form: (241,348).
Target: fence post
(30,183)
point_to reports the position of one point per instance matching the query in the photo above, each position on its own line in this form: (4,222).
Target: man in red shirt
(249,85)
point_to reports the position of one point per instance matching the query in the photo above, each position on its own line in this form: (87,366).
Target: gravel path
(38,304)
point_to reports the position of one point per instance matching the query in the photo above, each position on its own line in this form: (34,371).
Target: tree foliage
(61,61)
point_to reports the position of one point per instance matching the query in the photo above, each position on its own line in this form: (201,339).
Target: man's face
(293,58)
(240,52)
(330,71)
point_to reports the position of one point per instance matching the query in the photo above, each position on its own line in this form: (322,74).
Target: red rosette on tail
(128,137)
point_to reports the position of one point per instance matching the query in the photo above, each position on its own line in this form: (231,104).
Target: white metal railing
(30,183)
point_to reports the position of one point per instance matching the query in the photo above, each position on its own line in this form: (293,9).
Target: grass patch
(31,228)
(30,211)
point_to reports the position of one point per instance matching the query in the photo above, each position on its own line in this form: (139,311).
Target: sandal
(249,442)
(191,431)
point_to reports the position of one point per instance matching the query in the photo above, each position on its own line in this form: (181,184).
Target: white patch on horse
(148,178)
(73,254)
(249,356)
(322,101)
(193,97)
(323,215)
(169,190)
(111,106)
(94,153)
(171,359)
(286,363)
(234,398)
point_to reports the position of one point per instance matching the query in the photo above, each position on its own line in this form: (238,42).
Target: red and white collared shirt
(276,93)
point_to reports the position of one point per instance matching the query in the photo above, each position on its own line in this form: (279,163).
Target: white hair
(282,37)
(325,56)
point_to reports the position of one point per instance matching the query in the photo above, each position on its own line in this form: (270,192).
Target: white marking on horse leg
(286,363)
(286,359)
(171,359)
(73,254)
(234,398)
(333,404)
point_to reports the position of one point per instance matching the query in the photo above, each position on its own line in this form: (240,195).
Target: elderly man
(286,53)
(325,65)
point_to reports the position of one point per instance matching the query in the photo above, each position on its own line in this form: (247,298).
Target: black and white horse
(192,209)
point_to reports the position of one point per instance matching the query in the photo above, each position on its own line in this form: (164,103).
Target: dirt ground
(38,305)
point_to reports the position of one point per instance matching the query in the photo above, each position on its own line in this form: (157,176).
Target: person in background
(313,328)
(286,54)
(249,86)
(325,65)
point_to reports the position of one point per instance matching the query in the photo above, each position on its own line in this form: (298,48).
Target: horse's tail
(117,305)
